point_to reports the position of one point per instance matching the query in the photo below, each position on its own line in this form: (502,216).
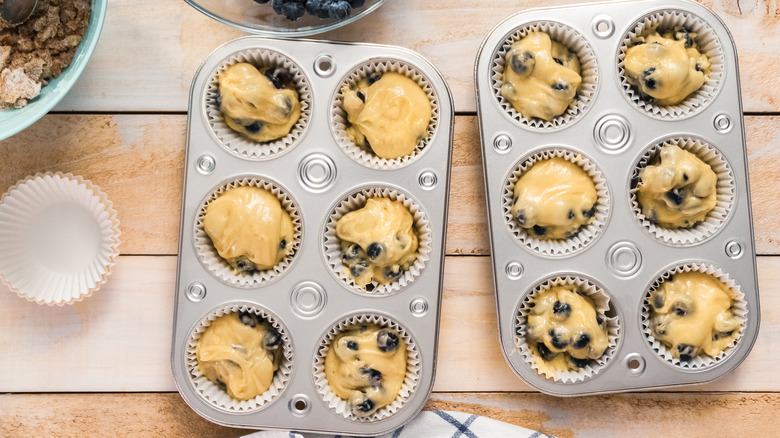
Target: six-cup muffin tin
(611,135)
(316,176)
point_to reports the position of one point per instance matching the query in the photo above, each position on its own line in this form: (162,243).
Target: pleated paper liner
(232,140)
(739,305)
(707,42)
(339,117)
(589,71)
(413,368)
(357,200)
(587,234)
(600,298)
(215,395)
(60,238)
(725,190)
(218,266)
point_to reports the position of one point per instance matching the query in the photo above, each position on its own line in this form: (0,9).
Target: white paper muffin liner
(218,266)
(74,264)
(707,42)
(339,117)
(356,201)
(587,233)
(234,141)
(413,368)
(739,306)
(602,302)
(589,72)
(725,190)
(215,395)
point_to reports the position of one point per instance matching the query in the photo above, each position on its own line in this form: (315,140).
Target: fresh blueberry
(247,319)
(522,63)
(521,219)
(245,266)
(361,96)
(374,377)
(392,272)
(698,67)
(599,320)
(358,268)
(545,352)
(352,345)
(365,406)
(539,230)
(375,250)
(261,1)
(658,301)
(277,5)
(559,86)
(254,128)
(563,309)
(558,341)
(579,363)
(293,11)
(677,196)
(373,78)
(680,309)
(351,253)
(386,340)
(589,213)
(339,10)
(283,244)
(357,3)
(582,341)
(272,339)
(687,352)
(682,34)
(650,83)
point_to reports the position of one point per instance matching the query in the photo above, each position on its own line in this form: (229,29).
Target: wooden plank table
(102,366)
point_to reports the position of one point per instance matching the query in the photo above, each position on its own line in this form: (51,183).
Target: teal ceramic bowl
(14,120)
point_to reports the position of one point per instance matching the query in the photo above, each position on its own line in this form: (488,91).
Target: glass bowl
(262,20)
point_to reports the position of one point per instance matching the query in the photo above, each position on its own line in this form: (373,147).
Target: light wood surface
(102,367)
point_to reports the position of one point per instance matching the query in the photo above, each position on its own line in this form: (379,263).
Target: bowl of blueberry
(286,18)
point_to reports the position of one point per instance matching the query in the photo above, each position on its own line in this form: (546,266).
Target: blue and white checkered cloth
(435,424)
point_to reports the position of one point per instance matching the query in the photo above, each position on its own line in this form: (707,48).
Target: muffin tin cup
(357,200)
(237,143)
(215,395)
(602,302)
(701,361)
(339,405)
(725,190)
(218,266)
(707,42)
(589,72)
(587,233)
(340,122)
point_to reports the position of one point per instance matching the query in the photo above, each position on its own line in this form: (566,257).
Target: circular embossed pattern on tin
(707,43)
(725,191)
(234,141)
(413,367)
(738,309)
(216,395)
(587,234)
(589,71)
(601,300)
(340,118)
(357,200)
(217,265)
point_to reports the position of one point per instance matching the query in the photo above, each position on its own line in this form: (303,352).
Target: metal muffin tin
(624,258)
(308,298)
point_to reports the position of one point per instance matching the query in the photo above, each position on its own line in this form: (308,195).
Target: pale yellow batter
(388,113)
(262,105)
(366,366)
(554,199)
(679,191)
(667,67)
(378,241)
(565,330)
(240,353)
(692,313)
(249,228)
(541,77)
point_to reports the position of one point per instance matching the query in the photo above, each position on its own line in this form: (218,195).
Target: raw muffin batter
(564,330)
(249,229)
(378,241)
(260,104)
(541,77)
(692,313)
(388,113)
(554,199)
(240,353)
(679,191)
(667,67)
(366,366)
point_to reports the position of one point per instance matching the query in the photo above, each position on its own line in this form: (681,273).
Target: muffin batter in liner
(707,43)
(218,266)
(602,302)
(725,191)
(701,361)
(234,141)
(357,200)
(587,233)
(215,395)
(339,121)
(413,368)
(589,72)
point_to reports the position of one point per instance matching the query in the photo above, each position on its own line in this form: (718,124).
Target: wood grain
(150,50)
(634,415)
(119,339)
(137,160)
